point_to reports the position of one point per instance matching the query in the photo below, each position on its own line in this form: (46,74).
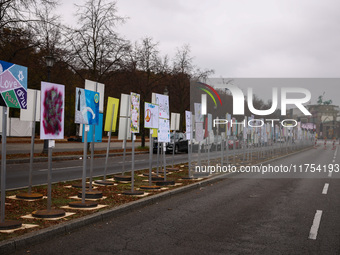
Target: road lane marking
(61,168)
(139,160)
(315,227)
(330,174)
(325,189)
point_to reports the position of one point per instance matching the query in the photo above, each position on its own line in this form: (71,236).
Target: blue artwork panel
(87,107)
(98,131)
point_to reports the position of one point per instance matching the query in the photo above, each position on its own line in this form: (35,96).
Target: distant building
(326,119)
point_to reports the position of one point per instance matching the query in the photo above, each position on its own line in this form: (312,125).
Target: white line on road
(315,227)
(140,160)
(62,168)
(333,160)
(325,189)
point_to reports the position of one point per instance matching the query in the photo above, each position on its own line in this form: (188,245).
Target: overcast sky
(240,38)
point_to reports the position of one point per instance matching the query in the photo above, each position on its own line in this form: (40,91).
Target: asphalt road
(17,174)
(250,215)
(14,148)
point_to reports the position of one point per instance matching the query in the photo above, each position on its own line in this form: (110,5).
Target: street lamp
(50,60)
(49,63)
(166,91)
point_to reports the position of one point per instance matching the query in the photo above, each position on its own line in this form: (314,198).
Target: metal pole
(164,160)
(125,138)
(92,154)
(234,150)
(133,163)
(199,155)
(222,144)
(84,165)
(173,148)
(208,150)
(108,142)
(189,157)
(150,156)
(227,150)
(190,153)
(244,149)
(157,157)
(3,163)
(32,143)
(49,177)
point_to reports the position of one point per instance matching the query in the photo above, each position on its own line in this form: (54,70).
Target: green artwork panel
(11,99)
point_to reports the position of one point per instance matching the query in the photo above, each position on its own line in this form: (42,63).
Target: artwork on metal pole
(109,114)
(87,107)
(13,85)
(163,102)
(188,123)
(151,112)
(163,131)
(52,111)
(135,102)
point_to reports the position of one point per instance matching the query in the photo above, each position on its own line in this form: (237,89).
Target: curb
(15,244)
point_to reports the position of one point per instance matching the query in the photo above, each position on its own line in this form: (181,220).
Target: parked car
(181,143)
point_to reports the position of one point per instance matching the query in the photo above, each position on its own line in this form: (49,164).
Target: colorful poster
(112,103)
(198,114)
(13,85)
(98,131)
(52,111)
(97,87)
(87,107)
(135,102)
(164,131)
(188,123)
(154,132)
(151,112)
(163,102)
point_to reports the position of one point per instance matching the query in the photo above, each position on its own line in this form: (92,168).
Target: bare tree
(19,22)
(183,71)
(95,45)
(17,13)
(48,30)
(147,69)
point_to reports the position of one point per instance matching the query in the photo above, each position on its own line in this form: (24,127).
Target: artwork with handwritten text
(163,103)
(135,102)
(13,85)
